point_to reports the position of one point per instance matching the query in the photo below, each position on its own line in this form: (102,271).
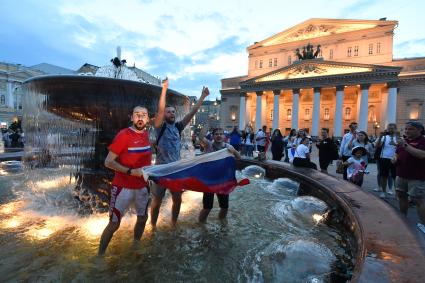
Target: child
(356,166)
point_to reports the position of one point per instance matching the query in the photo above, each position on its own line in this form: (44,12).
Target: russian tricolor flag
(212,173)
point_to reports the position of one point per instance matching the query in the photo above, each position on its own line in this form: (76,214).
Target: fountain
(70,120)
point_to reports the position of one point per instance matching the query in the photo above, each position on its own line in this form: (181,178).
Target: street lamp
(376,126)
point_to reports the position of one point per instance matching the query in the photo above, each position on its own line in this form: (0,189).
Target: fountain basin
(385,248)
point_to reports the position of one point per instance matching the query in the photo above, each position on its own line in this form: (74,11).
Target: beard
(140,125)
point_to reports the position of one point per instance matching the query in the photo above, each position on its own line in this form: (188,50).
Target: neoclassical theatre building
(326,73)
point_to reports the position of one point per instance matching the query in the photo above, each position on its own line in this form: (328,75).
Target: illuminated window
(270,63)
(307,114)
(370,48)
(378,48)
(371,117)
(331,53)
(349,52)
(289,114)
(233,110)
(356,50)
(414,112)
(275,62)
(347,113)
(261,64)
(326,114)
(289,60)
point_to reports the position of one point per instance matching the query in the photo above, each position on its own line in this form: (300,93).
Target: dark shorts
(208,200)
(386,168)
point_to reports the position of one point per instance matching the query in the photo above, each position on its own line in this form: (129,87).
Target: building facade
(326,73)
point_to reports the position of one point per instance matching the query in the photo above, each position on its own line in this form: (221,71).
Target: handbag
(339,167)
(378,151)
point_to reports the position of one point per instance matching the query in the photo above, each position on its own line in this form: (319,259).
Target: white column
(364,102)
(295,107)
(242,111)
(9,95)
(258,111)
(338,111)
(392,103)
(276,98)
(316,112)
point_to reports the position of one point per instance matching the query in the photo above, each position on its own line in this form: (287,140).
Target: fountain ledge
(384,246)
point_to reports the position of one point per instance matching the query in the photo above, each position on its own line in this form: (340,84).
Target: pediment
(319,68)
(314,28)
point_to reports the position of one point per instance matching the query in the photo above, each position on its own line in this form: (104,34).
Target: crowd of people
(400,159)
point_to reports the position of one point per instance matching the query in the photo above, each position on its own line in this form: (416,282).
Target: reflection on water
(271,236)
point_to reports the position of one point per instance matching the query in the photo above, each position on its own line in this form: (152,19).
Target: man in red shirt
(128,153)
(410,169)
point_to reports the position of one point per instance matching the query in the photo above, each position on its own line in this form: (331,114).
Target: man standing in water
(208,199)
(129,151)
(168,150)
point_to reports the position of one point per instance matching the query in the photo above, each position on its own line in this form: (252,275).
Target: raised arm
(189,116)
(161,105)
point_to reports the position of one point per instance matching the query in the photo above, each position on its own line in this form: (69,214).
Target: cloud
(410,48)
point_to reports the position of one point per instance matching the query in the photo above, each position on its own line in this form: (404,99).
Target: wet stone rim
(384,247)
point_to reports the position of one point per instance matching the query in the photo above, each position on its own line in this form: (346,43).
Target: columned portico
(338,111)
(295,107)
(242,111)
(392,103)
(364,102)
(259,110)
(316,112)
(276,115)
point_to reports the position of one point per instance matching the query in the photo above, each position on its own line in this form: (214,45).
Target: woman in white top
(302,155)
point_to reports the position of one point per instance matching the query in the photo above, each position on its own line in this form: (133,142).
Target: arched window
(289,114)
(371,117)
(347,113)
(326,114)
(307,114)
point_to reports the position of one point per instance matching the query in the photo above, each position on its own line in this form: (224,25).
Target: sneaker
(376,189)
(382,195)
(421,227)
(391,192)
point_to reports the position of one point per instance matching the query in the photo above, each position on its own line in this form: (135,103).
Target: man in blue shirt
(168,150)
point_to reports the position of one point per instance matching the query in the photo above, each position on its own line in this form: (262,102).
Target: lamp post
(376,126)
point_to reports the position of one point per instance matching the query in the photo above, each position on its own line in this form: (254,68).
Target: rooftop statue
(308,52)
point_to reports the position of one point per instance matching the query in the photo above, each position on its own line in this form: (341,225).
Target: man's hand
(205,92)
(137,172)
(165,83)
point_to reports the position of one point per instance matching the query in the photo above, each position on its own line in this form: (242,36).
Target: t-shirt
(389,147)
(302,151)
(262,140)
(134,151)
(168,148)
(344,150)
(408,166)
(353,169)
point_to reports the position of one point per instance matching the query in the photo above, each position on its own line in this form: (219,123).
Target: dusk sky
(194,43)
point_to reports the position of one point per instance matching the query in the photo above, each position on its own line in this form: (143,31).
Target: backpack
(178,125)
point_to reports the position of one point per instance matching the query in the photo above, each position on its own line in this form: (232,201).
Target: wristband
(129,171)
